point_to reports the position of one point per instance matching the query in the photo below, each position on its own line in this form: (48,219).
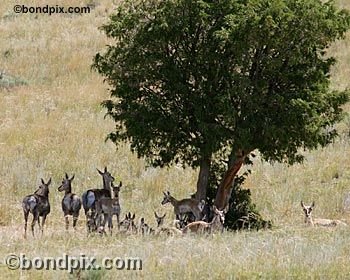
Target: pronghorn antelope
(128,224)
(91,196)
(108,207)
(37,204)
(187,205)
(309,220)
(71,203)
(217,224)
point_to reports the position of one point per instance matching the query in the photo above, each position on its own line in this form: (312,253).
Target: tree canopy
(198,81)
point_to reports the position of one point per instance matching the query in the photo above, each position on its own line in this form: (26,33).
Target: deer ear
(42,181)
(120,184)
(302,204)
(66,176)
(133,217)
(49,182)
(155,214)
(313,204)
(164,215)
(71,179)
(142,220)
(105,169)
(168,193)
(101,173)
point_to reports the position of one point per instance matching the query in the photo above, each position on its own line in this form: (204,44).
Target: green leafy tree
(202,82)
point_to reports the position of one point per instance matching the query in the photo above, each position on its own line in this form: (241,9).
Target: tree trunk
(224,191)
(203,179)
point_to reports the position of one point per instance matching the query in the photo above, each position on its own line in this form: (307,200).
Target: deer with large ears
(90,197)
(71,203)
(309,220)
(187,205)
(37,204)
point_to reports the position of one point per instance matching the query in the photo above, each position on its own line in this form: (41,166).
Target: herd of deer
(100,207)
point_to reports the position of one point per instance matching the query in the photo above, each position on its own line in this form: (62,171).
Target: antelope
(187,205)
(37,204)
(318,222)
(217,224)
(128,224)
(91,196)
(71,203)
(109,207)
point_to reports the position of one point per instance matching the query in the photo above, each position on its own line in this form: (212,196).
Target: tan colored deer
(108,207)
(187,205)
(309,220)
(217,224)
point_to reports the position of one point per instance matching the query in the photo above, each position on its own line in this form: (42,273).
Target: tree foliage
(195,80)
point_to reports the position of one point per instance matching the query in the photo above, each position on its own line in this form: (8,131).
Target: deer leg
(75,219)
(26,213)
(35,218)
(110,224)
(67,221)
(42,224)
(118,222)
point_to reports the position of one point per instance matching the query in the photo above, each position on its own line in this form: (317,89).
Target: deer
(145,228)
(109,207)
(309,220)
(92,195)
(217,224)
(159,219)
(187,205)
(71,203)
(128,224)
(38,204)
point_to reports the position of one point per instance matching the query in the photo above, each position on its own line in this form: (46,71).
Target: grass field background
(52,123)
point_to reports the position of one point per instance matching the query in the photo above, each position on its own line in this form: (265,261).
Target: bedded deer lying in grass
(91,196)
(184,206)
(217,224)
(37,204)
(128,225)
(108,207)
(71,203)
(309,220)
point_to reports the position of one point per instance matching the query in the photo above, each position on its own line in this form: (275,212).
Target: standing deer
(37,204)
(217,224)
(128,224)
(91,196)
(109,207)
(187,205)
(318,222)
(71,203)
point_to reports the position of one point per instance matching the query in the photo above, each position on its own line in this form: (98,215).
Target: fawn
(37,204)
(217,224)
(128,224)
(71,203)
(309,220)
(109,207)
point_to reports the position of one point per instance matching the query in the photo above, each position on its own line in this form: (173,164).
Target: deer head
(107,177)
(66,184)
(307,209)
(43,189)
(166,198)
(159,219)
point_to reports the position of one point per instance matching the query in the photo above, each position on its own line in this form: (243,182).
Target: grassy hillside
(51,122)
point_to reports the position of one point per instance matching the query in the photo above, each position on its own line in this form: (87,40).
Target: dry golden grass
(55,124)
